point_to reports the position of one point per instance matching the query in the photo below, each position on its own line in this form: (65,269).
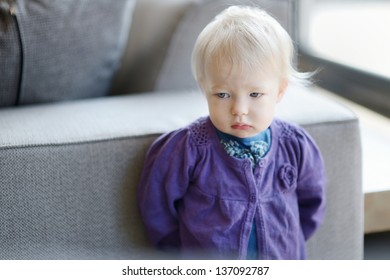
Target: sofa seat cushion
(61,50)
(139,114)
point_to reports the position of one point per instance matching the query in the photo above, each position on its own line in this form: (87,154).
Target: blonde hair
(245,37)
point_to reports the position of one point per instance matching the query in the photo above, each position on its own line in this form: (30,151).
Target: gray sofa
(69,165)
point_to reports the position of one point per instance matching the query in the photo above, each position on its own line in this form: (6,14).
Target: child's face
(241,103)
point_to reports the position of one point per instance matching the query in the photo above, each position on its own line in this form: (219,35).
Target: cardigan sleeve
(310,184)
(164,181)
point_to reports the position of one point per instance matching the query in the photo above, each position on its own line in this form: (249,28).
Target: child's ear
(282,89)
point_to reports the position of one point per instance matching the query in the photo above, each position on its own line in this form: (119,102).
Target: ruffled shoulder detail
(199,132)
(287,130)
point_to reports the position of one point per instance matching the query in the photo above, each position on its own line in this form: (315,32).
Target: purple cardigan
(194,196)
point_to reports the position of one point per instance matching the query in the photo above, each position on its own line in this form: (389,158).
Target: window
(348,42)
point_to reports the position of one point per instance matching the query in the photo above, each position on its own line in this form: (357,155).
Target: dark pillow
(54,50)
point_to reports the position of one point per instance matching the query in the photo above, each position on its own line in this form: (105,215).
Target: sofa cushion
(176,70)
(148,43)
(61,50)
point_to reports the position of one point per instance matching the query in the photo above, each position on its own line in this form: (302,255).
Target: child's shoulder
(290,131)
(195,133)
(199,131)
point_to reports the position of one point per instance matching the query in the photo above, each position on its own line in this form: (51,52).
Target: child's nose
(239,108)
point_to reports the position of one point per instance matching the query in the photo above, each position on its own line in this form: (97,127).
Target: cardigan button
(253,198)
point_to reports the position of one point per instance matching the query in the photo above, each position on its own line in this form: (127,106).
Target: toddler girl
(238,183)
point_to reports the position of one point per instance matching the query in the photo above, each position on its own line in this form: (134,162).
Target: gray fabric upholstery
(10,61)
(98,119)
(151,31)
(68,184)
(71,201)
(176,69)
(61,50)
(341,235)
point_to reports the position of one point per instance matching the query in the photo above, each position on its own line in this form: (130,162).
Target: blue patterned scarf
(253,148)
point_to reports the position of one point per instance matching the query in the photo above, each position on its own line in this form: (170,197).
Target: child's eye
(255,94)
(223,95)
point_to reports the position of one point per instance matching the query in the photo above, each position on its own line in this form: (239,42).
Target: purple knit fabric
(193,196)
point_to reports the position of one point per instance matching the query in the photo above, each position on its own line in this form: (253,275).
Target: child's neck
(247,140)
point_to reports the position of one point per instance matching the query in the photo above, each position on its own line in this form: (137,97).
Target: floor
(377,246)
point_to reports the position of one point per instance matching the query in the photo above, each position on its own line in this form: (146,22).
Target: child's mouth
(241,126)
